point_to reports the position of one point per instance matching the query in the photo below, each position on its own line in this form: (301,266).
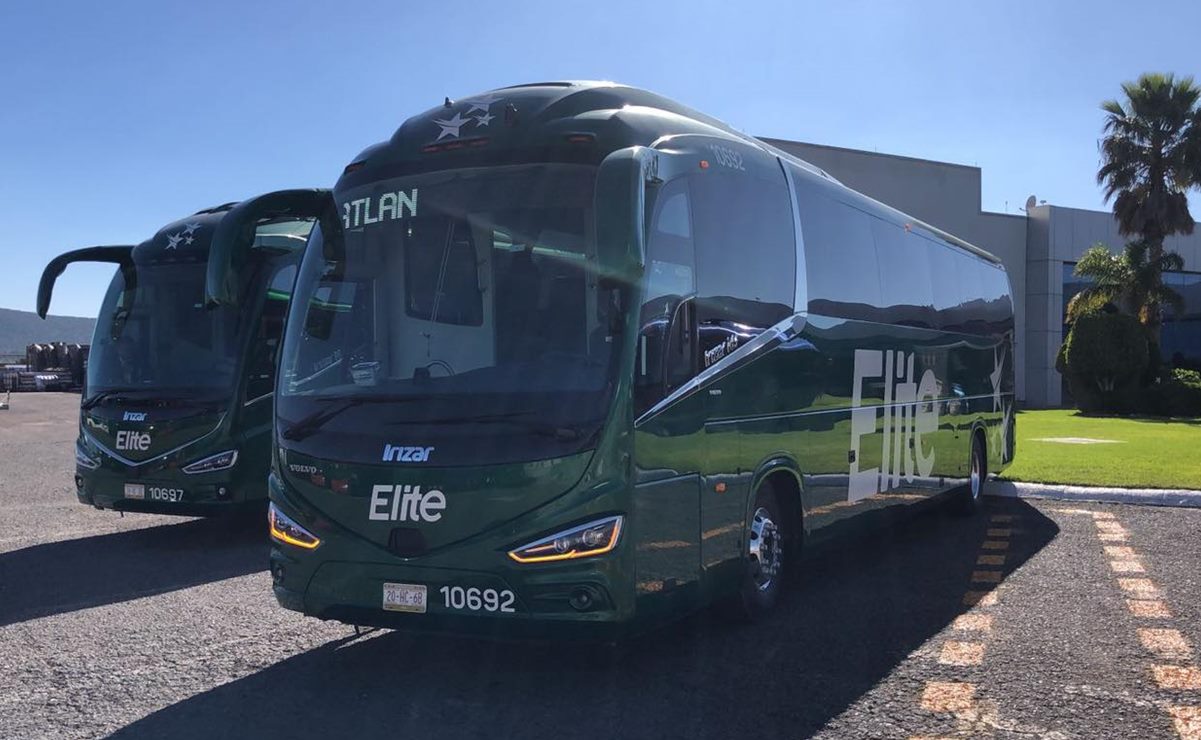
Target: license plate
(404,597)
(135,490)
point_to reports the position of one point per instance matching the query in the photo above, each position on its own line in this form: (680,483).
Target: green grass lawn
(1147,453)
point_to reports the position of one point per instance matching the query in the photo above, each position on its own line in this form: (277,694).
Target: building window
(1180,339)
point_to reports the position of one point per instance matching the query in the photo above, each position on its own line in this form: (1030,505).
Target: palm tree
(1150,158)
(1131,281)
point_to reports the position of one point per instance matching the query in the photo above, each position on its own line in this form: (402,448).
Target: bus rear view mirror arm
(120,255)
(234,235)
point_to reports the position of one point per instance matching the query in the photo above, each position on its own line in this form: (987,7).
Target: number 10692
(477,599)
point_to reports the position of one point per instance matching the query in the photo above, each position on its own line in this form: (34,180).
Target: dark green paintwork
(685,476)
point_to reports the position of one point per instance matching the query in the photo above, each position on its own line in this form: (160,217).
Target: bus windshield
(159,336)
(465,299)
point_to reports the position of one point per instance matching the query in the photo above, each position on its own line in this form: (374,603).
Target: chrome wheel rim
(765,549)
(976,470)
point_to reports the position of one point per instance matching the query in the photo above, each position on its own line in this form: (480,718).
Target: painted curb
(1055,492)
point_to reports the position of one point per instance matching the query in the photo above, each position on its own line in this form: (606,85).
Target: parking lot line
(980,598)
(999,532)
(961,653)
(1113,536)
(1139,588)
(1001,518)
(1119,551)
(986,576)
(1148,609)
(973,623)
(948,696)
(990,560)
(994,545)
(1188,722)
(1177,677)
(1165,643)
(1127,566)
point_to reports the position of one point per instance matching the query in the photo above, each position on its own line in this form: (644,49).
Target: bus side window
(666,338)
(260,368)
(746,255)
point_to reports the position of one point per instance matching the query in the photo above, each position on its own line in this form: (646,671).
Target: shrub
(1172,398)
(1105,356)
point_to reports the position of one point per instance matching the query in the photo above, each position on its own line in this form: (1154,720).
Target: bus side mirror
(620,211)
(234,235)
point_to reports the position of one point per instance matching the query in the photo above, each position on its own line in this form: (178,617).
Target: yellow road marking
(1188,722)
(973,623)
(990,560)
(1139,588)
(1109,525)
(1177,677)
(1112,536)
(999,532)
(962,653)
(1103,515)
(1127,566)
(1119,551)
(986,576)
(1148,609)
(994,545)
(981,598)
(1001,518)
(1165,643)
(948,696)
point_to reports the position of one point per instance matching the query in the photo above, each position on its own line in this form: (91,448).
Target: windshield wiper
(105,395)
(314,421)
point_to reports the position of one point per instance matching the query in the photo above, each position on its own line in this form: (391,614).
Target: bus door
(732,205)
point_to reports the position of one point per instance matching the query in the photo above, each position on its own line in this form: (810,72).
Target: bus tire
(967,500)
(765,559)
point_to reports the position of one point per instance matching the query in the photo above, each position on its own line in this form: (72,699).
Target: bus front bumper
(166,492)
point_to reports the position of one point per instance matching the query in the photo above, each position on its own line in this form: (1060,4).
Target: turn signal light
(586,540)
(285,529)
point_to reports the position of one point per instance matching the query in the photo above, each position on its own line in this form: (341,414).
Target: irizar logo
(406,454)
(910,411)
(131,441)
(134,416)
(407,504)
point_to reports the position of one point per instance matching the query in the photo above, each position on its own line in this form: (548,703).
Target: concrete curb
(1056,492)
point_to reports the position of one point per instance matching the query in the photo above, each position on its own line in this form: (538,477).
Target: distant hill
(18,329)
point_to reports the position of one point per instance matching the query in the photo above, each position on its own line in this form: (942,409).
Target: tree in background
(1130,281)
(1150,158)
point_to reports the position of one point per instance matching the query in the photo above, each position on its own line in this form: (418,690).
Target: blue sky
(118,117)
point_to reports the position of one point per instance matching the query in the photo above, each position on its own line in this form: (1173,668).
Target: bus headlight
(285,529)
(586,540)
(83,461)
(220,461)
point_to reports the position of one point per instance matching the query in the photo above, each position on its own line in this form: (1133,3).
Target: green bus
(572,358)
(175,414)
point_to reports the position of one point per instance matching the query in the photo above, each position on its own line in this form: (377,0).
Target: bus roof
(601,116)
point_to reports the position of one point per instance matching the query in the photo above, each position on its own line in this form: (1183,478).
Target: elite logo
(131,441)
(910,410)
(396,453)
(134,416)
(401,503)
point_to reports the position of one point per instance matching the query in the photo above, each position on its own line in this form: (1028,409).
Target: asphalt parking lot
(1035,619)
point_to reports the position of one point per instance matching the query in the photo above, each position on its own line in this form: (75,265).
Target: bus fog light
(220,461)
(586,540)
(287,530)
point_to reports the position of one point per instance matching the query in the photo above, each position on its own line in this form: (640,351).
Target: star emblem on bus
(450,126)
(483,120)
(482,104)
(173,240)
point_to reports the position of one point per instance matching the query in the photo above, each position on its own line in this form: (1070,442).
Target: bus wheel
(968,500)
(764,559)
